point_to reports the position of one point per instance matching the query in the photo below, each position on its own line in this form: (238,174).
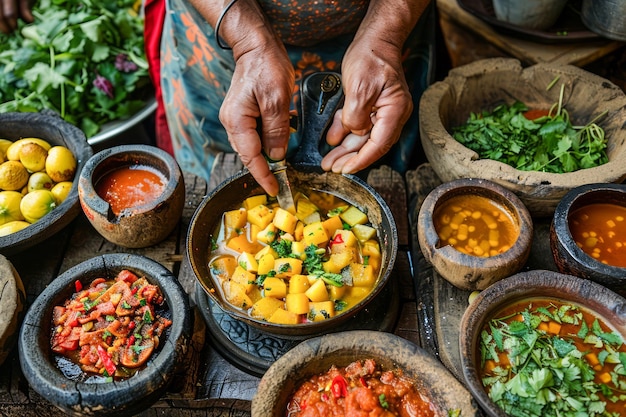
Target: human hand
(10,11)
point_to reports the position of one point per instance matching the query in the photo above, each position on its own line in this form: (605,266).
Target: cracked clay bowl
(71,392)
(484,84)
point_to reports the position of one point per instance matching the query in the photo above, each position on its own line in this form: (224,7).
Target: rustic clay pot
(143,225)
(12,306)
(49,126)
(317,355)
(536,283)
(118,398)
(568,257)
(470,272)
(484,84)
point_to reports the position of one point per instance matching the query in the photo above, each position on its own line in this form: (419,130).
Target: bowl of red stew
(474,232)
(106,337)
(588,234)
(543,343)
(133,195)
(360,371)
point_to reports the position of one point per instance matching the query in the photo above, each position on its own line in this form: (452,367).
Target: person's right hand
(11,11)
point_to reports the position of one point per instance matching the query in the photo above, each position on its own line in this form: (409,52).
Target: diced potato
(353,216)
(251,202)
(287,267)
(266,264)
(299,232)
(235,294)
(312,218)
(266,249)
(236,219)
(304,208)
(246,261)
(285,221)
(255,294)
(363,232)
(321,311)
(297,249)
(314,234)
(332,224)
(362,275)
(268,234)
(297,303)
(336,293)
(317,292)
(240,243)
(371,252)
(347,239)
(261,216)
(245,278)
(265,307)
(274,287)
(223,267)
(281,316)
(338,261)
(298,284)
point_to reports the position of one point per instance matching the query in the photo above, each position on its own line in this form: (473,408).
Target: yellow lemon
(61,190)
(10,206)
(33,156)
(37,204)
(40,181)
(13,175)
(60,164)
(12,227)
(4,145)
(13,151)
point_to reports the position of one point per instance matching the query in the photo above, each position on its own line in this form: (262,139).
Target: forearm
(391,20)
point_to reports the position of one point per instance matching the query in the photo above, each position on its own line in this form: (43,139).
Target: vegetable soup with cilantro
(547,357)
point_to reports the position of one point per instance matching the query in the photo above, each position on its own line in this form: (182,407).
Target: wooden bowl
(56,131)
(484,84)
(568,256)
(466,271)
(316,355)
(594,297)
(117,398)
(143,225)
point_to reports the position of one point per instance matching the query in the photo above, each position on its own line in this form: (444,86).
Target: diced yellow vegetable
(297,303)
(347,239)
(274,287)
(245,278)
(321,311)
(337,261)
(236,219)
(304,208)
(299,232)
(265,307)
(285,221)
(336,293)
(223,267)
(261,215)
(371,250)
(332,224)
(266,264)
(267,235)
(356,294)
(251,202)
(287,267)
(235,294)
(363,232)
(266,249)
(297,249)
(255,294)
(317,292)
(281,316)
(246,261)
(362,275)
(312,218)
(314,234)
(353,216)
(298,284)
(115,298)
(240,243)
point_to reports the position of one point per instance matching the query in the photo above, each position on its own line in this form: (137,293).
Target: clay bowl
(124,397)
(142,225)
(484,84)
(568,256)
(48,126)
(470,272)
(595,298)
(232,192)
(317,355)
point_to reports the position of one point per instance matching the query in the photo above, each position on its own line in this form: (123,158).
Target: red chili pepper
(78,286)
(134,290)
(131,340)
(339,387)
(337,239)
(131,325)
(106,360)
(363,382)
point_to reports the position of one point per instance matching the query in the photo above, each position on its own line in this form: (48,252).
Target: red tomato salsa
(360,388)
(130,186)
(112,327)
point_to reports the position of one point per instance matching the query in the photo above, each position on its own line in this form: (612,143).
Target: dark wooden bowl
(144,225)
(316,355)
(467,271)
(536,283)
(48,126)
(118,398)
(568,257)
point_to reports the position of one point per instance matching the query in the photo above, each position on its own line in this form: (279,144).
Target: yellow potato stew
(295,268)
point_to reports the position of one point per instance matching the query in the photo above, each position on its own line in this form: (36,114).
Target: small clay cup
(465,271)
(569,258)
(143,225)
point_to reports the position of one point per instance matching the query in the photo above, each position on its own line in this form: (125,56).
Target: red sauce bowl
(149,217)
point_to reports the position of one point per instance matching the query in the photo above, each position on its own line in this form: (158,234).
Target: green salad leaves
(82,59)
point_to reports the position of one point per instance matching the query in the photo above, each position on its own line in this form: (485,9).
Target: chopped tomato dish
(361,388)
(110,328)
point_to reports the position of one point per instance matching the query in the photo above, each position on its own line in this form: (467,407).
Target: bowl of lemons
(40,156)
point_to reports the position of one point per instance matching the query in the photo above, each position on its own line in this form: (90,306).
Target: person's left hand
(377,105)
(10,11)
